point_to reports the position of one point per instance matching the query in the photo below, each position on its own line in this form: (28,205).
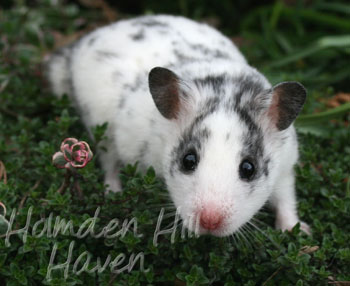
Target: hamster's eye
(246,170)
(190,161)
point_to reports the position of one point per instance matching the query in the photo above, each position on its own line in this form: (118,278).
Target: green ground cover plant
(308,42)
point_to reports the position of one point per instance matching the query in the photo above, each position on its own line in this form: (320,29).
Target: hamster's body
(209,107)
(106,73)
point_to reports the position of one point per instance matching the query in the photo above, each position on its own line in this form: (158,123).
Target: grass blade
(310,119)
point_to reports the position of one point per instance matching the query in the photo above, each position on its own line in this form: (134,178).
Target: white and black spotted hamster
(179,96)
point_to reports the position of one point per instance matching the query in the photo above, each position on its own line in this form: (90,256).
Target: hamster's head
(222,156)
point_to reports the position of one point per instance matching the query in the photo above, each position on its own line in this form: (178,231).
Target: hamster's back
(120,54)
(106,71)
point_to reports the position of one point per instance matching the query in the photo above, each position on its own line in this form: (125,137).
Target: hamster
(179,96)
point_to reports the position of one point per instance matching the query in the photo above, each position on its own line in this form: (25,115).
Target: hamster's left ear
(167,92)
(287,101)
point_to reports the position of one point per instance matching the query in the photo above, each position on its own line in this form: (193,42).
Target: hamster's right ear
(167,92)
(288,99)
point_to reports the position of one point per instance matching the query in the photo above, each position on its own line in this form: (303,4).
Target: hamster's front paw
(305,227)
(289,226)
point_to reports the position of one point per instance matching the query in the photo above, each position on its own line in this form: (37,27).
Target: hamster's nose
(211,218)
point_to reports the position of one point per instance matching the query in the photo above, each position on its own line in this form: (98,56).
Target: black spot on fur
(246,85)
(201,50)
(182,58)
(163,32)
(266,167)
(105,55)
(246,118)
(215,82)
(285,137)
(144,149)
(227,137)
(91,41)
(122,101)
(149,22)
(152,122)
(136,84)
(140,35)
(198,47)
(208,107)
(254,136)
(220,55)
(208,52)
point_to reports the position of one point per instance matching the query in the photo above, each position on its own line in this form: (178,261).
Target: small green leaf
(3,257)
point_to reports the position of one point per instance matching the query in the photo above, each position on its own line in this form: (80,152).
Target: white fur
(104,62)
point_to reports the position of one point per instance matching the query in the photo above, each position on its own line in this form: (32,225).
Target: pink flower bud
(59,160)
(81,154)
(73,153)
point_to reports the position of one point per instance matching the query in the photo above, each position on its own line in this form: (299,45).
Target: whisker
(264,234)
(260,222)
(250,233)
(247,243)
(233,235)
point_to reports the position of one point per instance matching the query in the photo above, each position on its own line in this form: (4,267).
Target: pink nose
(211,218)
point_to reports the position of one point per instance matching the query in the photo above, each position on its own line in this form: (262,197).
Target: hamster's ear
(165,87)
(287,101)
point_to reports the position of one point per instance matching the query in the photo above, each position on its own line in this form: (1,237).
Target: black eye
(246,170)
(189,161)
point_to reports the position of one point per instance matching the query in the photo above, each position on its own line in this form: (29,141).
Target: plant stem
(65,183)
(77,188)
